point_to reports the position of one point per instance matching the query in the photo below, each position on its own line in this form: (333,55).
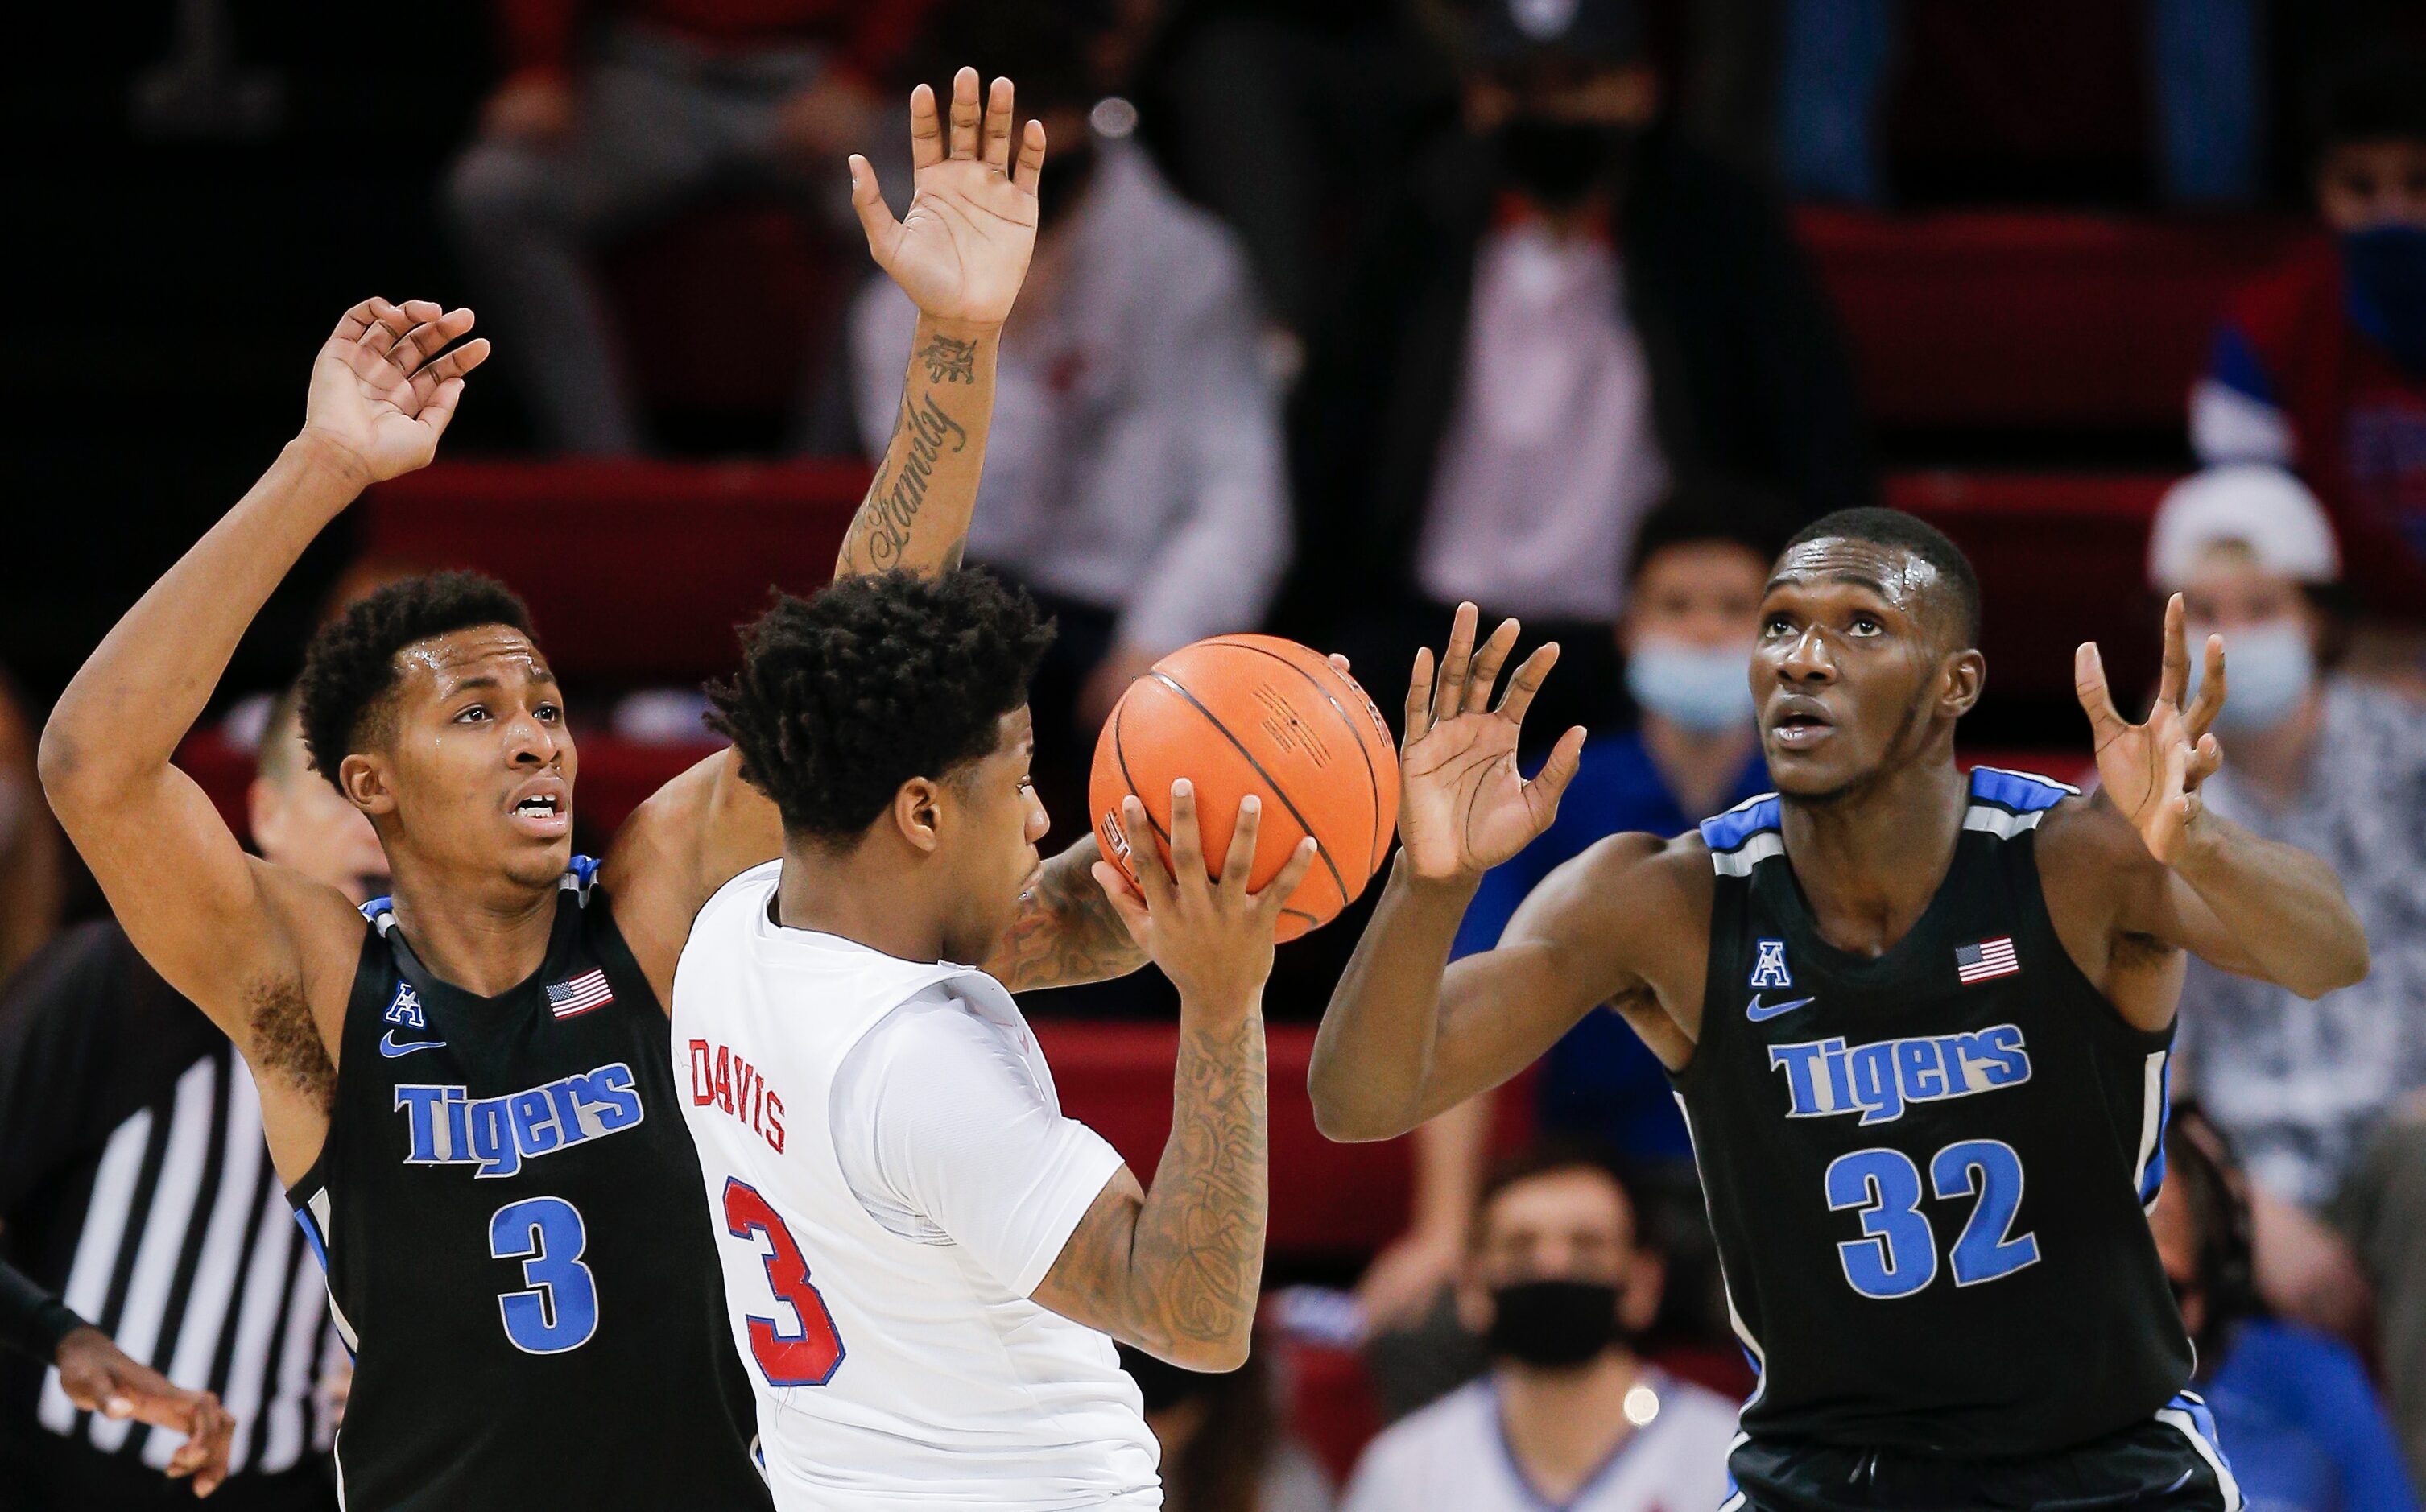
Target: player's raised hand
(1462,805)
(962,252)
(386,382)
(1211,936)
(2152,770)
(100,1377)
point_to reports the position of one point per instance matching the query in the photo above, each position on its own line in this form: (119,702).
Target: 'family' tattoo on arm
(879,532)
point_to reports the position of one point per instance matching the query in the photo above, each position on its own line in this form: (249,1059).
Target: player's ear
(1966,676)
(918,812)
(367,784)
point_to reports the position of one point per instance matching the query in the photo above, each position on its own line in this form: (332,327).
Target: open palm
(385,383)
(2152,770)
(962,252)
(1463,808)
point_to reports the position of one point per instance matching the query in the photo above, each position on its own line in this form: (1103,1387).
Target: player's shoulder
(1631,879)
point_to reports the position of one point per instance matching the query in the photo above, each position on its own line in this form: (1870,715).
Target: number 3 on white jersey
(808,1351)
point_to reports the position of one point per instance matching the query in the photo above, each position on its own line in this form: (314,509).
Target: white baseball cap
(2263,508)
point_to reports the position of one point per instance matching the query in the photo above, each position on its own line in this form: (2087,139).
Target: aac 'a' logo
(1768,965)
(405,1007)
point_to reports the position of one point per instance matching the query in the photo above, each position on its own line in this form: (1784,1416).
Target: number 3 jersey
(1927,1171)
(890,1177)
(506,1205)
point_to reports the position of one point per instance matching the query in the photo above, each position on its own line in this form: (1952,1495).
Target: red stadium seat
(2011,319)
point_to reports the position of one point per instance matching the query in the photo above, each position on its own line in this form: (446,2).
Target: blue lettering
(493,1138)
(1802,1093)
(1916,1062)
(534,1122)
(1875,1082)
(609,1091)
(420,1105)
(2007,1062)
(1840,1077)
(458,1133)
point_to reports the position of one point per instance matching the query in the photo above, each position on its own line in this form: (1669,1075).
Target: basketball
(1255,713)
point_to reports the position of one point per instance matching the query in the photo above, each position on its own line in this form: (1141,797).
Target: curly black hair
(350,666)
(1908,532)
(845,696)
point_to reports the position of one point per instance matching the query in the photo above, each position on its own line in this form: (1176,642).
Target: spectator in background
(1569,307)
(32,886)
(1696,572)
(1559,1281)
(135,1184)
(2320,366)
(1134,479)
(2313,1093)
(1224,1449)
(617,115)
(2293,1406)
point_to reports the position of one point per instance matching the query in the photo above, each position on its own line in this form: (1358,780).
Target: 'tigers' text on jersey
(1880,1080)
(449,1127)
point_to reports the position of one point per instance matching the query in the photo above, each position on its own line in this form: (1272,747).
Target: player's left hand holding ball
(1212,937)
(2152,770)
(99,1376)
(962,252)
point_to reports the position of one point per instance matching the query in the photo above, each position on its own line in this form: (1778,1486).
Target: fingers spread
(1145,857)
(2089,685)
(1284,884)
(1186,843)
(997,126)
(926,131)
(1487,662)
(966,113)
(1031,158)
(1543,793)
(875,216)
(2177,657)
(1419,697)
(2210,701)
(355,323)
(1527,680)
(1449,696)
(1242,859)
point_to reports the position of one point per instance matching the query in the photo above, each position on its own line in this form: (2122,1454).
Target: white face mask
(2268,668)
(1700,687)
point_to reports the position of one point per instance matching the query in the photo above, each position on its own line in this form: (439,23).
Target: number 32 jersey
(506,1207)
(890,1177)
(1927,1171)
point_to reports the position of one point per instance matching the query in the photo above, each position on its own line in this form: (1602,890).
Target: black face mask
(1067,173)
(1558,162)
(1554,1325)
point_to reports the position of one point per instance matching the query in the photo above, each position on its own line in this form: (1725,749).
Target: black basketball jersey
(1928,1171)
(508,1209)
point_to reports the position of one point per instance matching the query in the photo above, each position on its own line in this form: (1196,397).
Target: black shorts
(2171,1463)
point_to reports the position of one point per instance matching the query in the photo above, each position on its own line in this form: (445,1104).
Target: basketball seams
(1321,851)
(1355,735)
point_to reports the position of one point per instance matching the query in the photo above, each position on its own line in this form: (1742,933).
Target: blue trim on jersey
(2154,1177)
(312,1236)
(384,903)
(584,870)
(2018,790)
(1729,830)
(2203,1420)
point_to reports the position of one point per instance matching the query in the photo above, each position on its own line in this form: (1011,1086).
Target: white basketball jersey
(890,1371)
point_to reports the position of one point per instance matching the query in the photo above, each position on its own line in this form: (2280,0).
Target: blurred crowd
(1343,313)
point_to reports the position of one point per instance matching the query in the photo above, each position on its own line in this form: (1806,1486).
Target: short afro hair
(1908,532)
(350,666)
(844,696)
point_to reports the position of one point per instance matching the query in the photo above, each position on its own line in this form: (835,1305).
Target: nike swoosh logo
(1756,1011)
(389,1048)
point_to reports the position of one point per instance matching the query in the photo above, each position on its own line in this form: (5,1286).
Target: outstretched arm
(1463,810)
(2243,903)
(960,255)
(1175,1270)
(224,930)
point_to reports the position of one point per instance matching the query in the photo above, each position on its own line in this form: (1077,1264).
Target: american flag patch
(1989,958)
(584,992)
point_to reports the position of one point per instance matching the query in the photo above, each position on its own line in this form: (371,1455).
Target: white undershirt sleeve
(946,1137)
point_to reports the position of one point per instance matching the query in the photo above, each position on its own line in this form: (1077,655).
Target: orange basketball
(1253,713)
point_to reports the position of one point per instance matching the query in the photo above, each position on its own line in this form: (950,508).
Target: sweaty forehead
(483,650)
(1901,578)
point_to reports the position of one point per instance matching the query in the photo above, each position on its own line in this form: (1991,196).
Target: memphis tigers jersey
(1927,1171)
(897,1358)
(508,1209)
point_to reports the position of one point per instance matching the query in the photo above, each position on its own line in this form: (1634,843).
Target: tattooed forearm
(949,361)
(1065,932)
(1176,1271)
(888,515)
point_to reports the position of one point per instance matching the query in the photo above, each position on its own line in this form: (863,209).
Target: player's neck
(1563,1424)
(484,935)
(1870,862)
(861,897)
